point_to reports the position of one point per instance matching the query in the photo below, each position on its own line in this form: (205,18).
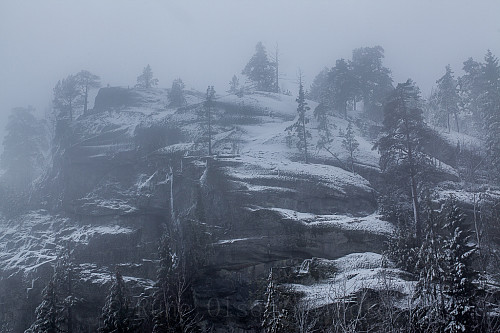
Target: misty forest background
(448,249)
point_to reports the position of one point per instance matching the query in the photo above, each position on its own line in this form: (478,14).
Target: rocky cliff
(132,163)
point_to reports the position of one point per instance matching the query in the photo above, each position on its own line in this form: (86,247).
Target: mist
(205,43)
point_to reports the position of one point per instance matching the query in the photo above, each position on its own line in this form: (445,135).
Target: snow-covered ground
(371,223)
(355,272)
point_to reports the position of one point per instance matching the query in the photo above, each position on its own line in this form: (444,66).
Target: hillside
(133,166)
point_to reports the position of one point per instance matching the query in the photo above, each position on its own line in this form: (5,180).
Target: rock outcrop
(131,164)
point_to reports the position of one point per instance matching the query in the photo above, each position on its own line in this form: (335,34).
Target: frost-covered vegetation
(355,206)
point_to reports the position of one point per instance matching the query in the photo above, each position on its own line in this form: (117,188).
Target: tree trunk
(209,132)
(70,112)
(416,213)
(414,195)
(86,98)
(305,138)
(456,122)
(352,159)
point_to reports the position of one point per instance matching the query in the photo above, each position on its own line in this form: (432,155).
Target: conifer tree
(447,98)
(318,91)
(401,146)
(67,96)
(325,134)
(64,280)
(173,309)
(24,145)
(48,312)
(299,127)
(86,81)
(260,71)
(117,313)
(55,311)
(350,144)
(163,298)
(234,86)
(343,85)
(373,79)
(176,94)
(470,90)
(206,116)
(490,104)
(428,296)
(146,79)
(460,290)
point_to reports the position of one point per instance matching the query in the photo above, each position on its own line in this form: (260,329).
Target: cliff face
(131,164)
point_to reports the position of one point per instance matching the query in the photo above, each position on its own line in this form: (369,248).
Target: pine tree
(163,297)
(343,85)
(401,146)
(350,144)
(470,90)
(373,79)
(460,289)
(428,296)
(206,115)
(173,309)
(47,313)
(260,71)
(67,96)
(318,91)
(447,98)
(117,313)
(325,134)
(24,146)
(176,94)
(64,280)
(55,311)
(234,87)
(86,81)
(490,105)
(299,127)
(146,79)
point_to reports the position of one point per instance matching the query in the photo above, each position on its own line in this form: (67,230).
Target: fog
(206,42)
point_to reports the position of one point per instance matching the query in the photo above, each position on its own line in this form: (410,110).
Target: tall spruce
(176,96)
(373,79)
(118,313)
(299,127)
(146,79)
(447,99)
(343,85)
(490,104)
(428,297)
(460,290)
(470,90)
(401,144)
(23,149)
(260,70)
(173,306)
(350,144)
(318,91)
(206,116)
(67,96)
(48,312)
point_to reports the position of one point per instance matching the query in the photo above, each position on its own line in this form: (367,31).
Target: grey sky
(206,42)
